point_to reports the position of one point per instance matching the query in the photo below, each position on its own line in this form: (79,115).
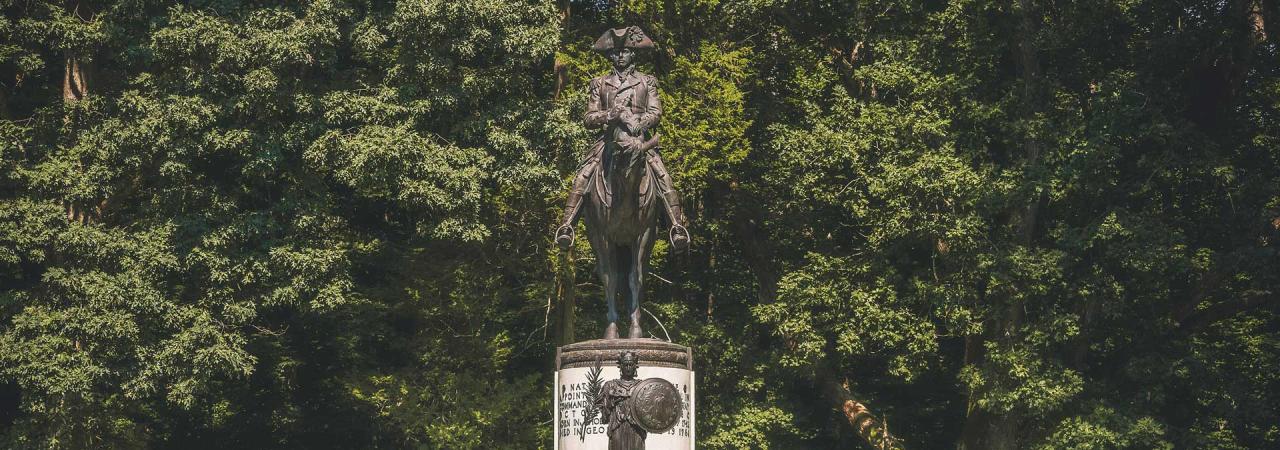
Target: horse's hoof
(635,333)
(611,332)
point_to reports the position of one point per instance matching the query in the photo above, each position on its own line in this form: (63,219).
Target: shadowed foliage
(978,224)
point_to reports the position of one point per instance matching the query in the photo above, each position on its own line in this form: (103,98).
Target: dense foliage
(995,223)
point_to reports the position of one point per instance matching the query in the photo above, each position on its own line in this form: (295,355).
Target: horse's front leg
(639,255)
(609,280)
(636,282)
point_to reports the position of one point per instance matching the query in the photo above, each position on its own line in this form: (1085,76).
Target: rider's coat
(632,89)
(638,93)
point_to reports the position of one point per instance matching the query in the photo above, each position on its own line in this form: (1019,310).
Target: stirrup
(564,236)
(682,242)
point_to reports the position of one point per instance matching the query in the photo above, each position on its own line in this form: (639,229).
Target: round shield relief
(656,405)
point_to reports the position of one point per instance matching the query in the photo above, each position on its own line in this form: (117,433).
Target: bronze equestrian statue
(622,181)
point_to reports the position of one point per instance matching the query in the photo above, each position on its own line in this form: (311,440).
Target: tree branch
(1225,310)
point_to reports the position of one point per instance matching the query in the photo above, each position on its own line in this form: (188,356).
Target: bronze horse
(621,215)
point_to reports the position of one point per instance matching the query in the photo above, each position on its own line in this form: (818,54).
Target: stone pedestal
(658,359)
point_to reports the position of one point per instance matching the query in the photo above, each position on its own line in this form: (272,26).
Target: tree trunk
(1250,12)
(976,419)
(868,427)
(567,292)
(1033,103)
(1257,22)
(987,429)
(1218,76)
(4,103)
(561,70)
(75,87)
(757,251)
(76,81)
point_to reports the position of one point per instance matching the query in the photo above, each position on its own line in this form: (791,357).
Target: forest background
(983,224)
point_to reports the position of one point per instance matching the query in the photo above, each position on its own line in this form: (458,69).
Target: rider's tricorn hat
(631,37)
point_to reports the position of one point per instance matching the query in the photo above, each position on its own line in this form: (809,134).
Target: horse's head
(629,158)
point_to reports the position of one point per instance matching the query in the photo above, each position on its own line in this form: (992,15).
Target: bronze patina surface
(623,189)
(656,405)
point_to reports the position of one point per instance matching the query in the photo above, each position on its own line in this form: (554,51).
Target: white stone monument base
(658,359)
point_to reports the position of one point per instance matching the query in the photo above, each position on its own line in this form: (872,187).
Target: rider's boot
(564,234)
(679,235)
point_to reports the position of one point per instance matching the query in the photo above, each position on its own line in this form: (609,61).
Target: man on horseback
(623,104)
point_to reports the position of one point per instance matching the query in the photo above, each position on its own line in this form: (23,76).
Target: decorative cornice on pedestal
(652,353)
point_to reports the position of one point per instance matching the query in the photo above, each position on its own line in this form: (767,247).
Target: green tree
(966,223)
